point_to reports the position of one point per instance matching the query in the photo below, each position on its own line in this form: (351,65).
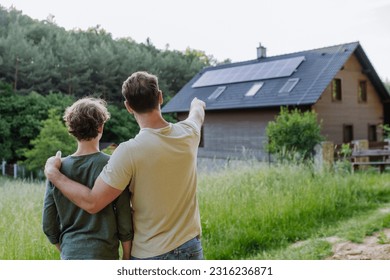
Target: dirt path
(371,249)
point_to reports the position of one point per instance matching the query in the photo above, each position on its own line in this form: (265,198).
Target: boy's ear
(100,128)
(128,108)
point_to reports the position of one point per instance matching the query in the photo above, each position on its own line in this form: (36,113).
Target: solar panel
(259,71)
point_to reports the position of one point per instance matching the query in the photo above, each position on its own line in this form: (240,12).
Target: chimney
(261,51)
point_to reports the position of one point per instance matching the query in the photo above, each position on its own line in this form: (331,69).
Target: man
(160,166)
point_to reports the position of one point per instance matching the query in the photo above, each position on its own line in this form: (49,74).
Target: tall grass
(21,236)
(251,210)
(246,212)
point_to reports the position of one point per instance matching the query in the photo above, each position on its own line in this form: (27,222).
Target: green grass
(312,249)
(21,236)
(361,225)
(255,212)
(354,229)
(247,213)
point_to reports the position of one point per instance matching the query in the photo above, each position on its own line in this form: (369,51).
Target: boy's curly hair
(84,118)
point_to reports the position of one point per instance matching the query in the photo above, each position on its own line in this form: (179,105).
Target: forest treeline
(43,66)
(41,56)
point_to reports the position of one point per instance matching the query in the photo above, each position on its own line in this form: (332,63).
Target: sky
(230,29)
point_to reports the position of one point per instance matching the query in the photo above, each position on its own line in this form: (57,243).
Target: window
(347,133)
(362,92)
(217,93)
(254,89)
(289,85)
(372,133)
(336,90)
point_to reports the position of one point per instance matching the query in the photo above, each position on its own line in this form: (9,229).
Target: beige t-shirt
(160,165)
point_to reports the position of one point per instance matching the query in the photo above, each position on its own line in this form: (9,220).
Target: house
(107,147)
(337,82)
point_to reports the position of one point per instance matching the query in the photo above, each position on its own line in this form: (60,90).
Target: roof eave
(243,107)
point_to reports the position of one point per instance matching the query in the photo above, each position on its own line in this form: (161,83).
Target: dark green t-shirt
(82,235)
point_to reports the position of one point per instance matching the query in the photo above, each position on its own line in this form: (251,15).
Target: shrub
(386,131)
(293,134)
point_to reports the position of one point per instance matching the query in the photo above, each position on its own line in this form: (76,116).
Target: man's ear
(128,108)
(160,97)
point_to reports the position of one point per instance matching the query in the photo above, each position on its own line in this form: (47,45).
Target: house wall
(235,133)
(349,111)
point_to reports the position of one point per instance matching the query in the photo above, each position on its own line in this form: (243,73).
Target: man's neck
(151,120)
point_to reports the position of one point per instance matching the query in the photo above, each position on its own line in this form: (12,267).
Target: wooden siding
(349,111)
(235,133)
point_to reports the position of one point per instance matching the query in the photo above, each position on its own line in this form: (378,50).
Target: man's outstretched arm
(91,200)
(197,111)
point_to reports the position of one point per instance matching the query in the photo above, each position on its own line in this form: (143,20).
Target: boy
(76,233)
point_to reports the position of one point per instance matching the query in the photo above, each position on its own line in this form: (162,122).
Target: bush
(386,131)
(293,134)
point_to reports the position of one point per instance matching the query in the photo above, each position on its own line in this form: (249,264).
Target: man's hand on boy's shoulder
(52,166)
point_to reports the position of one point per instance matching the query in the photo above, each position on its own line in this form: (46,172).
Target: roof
(309,72)
(104,145)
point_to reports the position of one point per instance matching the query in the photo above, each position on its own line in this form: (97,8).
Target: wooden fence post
(324,156)
(361,145)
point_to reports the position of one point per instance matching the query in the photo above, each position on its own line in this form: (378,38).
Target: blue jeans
(191,250)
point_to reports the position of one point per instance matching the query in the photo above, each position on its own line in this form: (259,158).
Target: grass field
(253,212)
(21,236)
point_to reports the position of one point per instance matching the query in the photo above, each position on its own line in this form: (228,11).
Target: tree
(25,114)
(293,134)
(73,67)
(40,72)
(53,137)
(17,57)
(5,141)
(5,127)
(120,127)
(104,66)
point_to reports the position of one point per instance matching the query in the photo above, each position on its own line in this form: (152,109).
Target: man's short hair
(141,92)
(84,118)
